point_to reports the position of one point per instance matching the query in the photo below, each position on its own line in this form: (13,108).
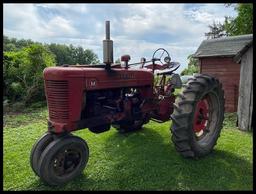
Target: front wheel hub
(66,161)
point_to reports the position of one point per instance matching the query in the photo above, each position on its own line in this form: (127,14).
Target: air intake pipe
(108,48)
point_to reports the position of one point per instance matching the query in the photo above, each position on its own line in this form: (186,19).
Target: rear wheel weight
(63,160)
(197,119)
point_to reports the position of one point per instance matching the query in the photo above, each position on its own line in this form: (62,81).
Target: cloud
(207,13)
(64,27)
(137,29)
(64,9)
(23,20)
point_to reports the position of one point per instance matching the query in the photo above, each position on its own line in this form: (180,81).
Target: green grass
(143,160)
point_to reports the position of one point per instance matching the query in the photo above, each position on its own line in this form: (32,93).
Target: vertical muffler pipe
(108,48)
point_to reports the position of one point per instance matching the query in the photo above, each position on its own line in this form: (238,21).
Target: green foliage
(16,89)
(243,23)
(190,70)
(73,55)
(64,54)
(23,72)
(142,160)
(192,66)
(10,47)
(13,44)
(216,31)
(25,60)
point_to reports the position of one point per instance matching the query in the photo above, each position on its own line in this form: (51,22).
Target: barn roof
(228,46)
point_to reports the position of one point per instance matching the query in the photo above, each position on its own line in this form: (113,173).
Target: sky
(136,29)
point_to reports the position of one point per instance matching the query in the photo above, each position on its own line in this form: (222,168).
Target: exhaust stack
(108,48)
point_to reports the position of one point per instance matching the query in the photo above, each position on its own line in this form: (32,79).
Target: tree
(192,66)
(84,56)
(91,58)
(62,53)
(243,23)
(216,31)
(12,44)
(10,47)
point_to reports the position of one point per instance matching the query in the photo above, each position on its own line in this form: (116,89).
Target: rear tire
(198,116)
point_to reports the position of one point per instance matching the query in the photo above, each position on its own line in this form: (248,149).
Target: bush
(6,106)
(16,90)
(39,104)
(24,62)
(23,73)
(17,106)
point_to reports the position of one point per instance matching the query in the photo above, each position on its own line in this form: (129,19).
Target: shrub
(23,73)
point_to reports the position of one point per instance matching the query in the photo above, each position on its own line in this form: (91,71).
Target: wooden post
(245,100)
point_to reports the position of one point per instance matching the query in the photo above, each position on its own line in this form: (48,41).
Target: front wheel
(198,116)
(63,160)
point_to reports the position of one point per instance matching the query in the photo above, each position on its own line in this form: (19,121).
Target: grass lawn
(143,160)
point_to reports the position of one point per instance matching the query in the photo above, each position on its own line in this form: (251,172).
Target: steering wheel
(167,58)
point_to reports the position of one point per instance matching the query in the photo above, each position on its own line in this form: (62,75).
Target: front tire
(198,116)
(63,160)
(37,150)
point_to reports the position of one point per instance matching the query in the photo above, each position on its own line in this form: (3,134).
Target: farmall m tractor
(118,95)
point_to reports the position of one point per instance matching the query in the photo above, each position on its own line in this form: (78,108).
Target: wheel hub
(201,117)
(65,162)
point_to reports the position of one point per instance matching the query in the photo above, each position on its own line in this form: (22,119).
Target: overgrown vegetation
(143,160)
(64,54)
(22,73)
(23,65)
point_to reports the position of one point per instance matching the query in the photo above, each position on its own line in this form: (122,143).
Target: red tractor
(118,95)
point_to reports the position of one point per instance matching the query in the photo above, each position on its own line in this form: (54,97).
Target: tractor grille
(57,99)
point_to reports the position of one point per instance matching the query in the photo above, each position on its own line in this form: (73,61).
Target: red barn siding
(228,72)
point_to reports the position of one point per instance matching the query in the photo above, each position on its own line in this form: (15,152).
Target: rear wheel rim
(201,117)
(206,118)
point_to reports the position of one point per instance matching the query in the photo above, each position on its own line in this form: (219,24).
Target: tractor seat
(169,71)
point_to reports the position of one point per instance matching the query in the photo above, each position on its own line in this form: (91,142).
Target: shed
(230,59)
